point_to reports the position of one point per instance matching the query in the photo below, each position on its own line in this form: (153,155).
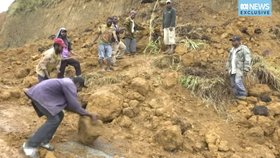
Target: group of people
(51,96)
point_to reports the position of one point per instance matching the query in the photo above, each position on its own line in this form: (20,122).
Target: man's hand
(170,28)
(93,117)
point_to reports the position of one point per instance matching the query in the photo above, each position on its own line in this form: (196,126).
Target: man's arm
(247,59)
(43,65)
(115,36)
(173,18)
(70,93)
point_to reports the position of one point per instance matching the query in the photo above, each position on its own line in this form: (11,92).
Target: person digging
(49,98)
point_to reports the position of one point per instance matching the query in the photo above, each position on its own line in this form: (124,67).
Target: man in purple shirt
(50,98)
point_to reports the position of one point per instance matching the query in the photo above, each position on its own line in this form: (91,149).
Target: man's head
(132,14)
(109,22)
(115,19)
(63,32)
(58,45)
(236,41)
(168,4)
(79,83)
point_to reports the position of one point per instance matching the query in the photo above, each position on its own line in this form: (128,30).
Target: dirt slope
(146,111)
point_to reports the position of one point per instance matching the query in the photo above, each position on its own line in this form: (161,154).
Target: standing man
(50,60)
(66,58)
(50,98)
(131,28)
(169,24)
(117,45)
(105,45)
(238,64)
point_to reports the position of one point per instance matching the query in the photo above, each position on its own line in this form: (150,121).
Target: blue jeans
(130,45)
(104,51)
(237,85)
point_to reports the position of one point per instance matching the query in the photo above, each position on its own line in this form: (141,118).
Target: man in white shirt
(238,64)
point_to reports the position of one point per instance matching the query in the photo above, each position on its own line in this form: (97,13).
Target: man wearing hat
(49,98)
(238,64)
(50,60)
(66,55)
(169,24)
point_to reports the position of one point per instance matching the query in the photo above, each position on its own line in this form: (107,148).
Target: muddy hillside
(152,105)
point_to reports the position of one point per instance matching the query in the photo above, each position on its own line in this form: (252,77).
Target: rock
(258,90)
(125,122)
(181,49)
(265,98)
(89,131)
(50,154)
(255,132)
(260,110)
(274,109)
(252,100)
(107,104)
(133,103)
(140,85)
(129,112)
(5,95)
(22,73)
(170,138)
(188,59)
(223,146)
(135,96)
(224,35)
(170,80)
(30,81)
(212,139)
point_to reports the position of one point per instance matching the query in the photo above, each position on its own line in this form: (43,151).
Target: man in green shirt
(169,24)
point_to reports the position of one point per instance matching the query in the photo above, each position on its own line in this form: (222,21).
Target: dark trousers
(65,63)
(45,133)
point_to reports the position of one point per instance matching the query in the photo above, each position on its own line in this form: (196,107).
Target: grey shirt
(169,18)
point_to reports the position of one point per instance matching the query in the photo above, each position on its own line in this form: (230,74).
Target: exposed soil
(145,110)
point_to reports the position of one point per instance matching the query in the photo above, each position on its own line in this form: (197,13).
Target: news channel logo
(254,7)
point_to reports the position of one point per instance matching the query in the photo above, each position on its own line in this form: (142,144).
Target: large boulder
(170,138)
(107,104)
(89,131)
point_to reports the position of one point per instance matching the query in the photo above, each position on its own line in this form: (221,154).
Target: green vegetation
(192,44)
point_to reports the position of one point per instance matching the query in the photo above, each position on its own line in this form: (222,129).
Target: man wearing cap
(49,98)
(131,28)
(66,55)
(238,64)
(169,24)
(50,60)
